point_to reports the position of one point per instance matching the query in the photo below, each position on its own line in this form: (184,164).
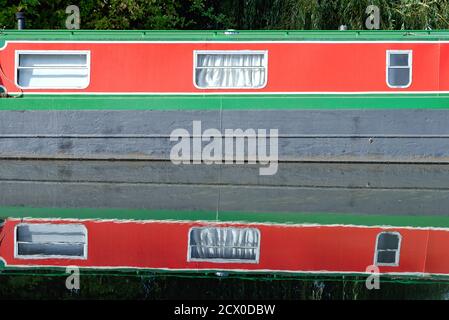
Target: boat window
(230,69)
(52,69)
(43,241)
(387,249)
(215,244)
(399,68)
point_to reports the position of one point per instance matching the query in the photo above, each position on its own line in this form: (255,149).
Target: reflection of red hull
(149,67)
(294,248)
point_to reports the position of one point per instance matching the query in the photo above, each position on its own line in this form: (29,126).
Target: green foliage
(226,14)
(116,14)
(424,14)
(354,16)
(330,14)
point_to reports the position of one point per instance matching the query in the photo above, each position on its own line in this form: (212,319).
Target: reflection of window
(226,244)
(52,69)
(399,68)
(387,249)
(43,241)
(230,69)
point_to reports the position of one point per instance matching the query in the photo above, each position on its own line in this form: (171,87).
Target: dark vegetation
(153,286)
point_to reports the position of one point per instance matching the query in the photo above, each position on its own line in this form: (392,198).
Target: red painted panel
(444,66)
(437,258)
(286,248)
(292,67)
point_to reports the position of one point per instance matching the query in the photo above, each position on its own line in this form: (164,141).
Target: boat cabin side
(203,67)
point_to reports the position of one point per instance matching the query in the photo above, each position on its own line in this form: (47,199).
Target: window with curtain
(387,249)
(42,240)
(224,244)
(399,68)
(230,69)
(52,69)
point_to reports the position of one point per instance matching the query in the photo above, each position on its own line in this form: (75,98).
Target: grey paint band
(414,135)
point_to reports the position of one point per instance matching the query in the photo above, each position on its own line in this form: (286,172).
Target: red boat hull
(283,248)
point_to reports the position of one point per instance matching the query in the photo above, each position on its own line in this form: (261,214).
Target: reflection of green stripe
(332,218)
(226,102)
(279,217)
(87,213)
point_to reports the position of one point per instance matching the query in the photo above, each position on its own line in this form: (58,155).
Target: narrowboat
(339,100)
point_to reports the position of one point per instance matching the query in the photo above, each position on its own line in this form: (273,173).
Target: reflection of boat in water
(333,97)
(332,218)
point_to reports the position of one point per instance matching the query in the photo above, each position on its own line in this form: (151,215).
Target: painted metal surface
(159,245)
(221,35)
(304,135)
(226,102)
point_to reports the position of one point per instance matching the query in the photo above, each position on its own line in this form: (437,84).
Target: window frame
(410,66)
(50,52)
(398,251)
(236,52)
(41,256)
(190,259)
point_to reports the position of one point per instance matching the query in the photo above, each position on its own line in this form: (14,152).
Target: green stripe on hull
(226,102)
(222,35)
(275,217)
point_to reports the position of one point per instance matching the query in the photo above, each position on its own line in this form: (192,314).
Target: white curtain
(230,70)
(224,243)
